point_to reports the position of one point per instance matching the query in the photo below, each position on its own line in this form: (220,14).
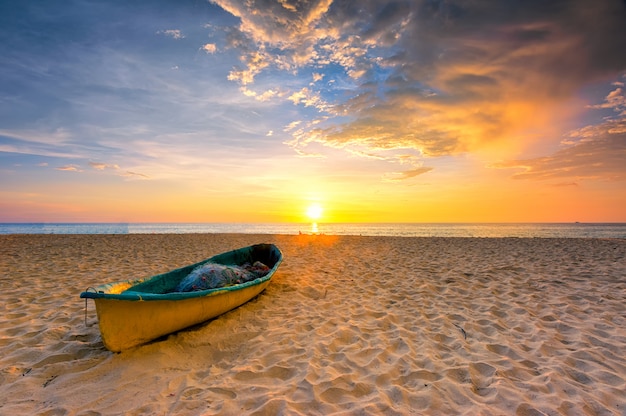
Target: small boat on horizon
(134,312)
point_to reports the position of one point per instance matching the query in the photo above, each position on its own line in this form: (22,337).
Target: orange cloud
(69,168)
(399,176)
(598,155)
(102,166)
(209,48)
(419,75)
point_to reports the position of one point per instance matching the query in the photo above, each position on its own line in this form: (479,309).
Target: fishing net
(213,275)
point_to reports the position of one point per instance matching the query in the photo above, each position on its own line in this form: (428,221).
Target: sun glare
(314,212)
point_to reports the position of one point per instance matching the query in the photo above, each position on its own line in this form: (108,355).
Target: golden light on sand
(551,344)
(314,212)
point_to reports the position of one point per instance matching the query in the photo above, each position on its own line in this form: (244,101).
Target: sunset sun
(314,212)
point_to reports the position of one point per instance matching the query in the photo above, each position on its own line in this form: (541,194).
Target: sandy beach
(349,325)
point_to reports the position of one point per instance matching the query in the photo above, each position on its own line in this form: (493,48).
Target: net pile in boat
(214,275)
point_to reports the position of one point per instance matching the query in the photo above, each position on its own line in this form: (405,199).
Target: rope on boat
(87,290)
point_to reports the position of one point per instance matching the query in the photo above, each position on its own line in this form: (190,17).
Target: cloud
(264,96)
(134,175)
(593,152)
(103,166)
(440,77)
(598,154)
(173,33)
(293,125)
(57,143)
(270,22)
(317,77)
(255,63)
(272,35)
(615,100)
(58,136)
(309,98)
(400,176)
(118,171)
(209,48)
(69,168)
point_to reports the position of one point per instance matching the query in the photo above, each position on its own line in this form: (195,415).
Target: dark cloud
(442,77)
(567,42)
(386,24)
(460,69)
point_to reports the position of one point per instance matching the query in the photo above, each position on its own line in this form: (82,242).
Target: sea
(521,230)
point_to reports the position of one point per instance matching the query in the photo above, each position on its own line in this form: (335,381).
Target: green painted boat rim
(102,291)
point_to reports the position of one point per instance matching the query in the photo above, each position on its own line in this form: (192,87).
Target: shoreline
(522,230)
(349,324)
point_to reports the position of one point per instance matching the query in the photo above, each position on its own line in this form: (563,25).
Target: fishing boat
(133,312)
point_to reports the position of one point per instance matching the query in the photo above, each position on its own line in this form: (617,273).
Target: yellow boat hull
(134,312)
(125,323)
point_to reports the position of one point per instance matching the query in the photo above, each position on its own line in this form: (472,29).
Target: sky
(355,111)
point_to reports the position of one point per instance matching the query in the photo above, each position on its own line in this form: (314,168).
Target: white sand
(349,325)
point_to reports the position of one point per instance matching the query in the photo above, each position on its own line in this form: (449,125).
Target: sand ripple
(349,325)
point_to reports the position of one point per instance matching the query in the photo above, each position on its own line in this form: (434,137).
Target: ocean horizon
(493,230)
